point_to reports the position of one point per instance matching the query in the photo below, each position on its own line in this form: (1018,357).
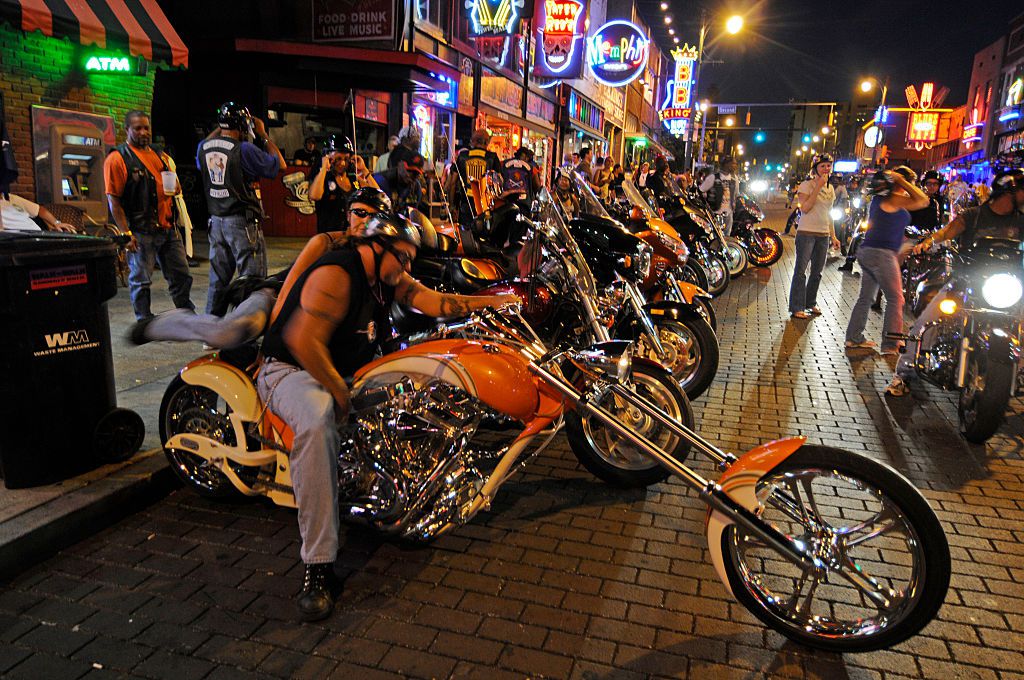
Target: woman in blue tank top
(893,196)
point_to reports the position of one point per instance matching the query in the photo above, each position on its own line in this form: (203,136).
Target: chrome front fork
(709,491)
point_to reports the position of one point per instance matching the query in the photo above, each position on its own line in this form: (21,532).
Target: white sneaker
(898,387)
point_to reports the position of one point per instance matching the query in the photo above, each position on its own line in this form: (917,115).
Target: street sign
(726,108)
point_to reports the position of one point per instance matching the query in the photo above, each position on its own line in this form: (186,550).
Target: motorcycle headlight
(675,245)
(643,261)
(1002,290)
(836,214)
(611,360)
(856,202)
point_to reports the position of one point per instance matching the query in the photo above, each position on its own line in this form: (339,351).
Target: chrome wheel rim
(874,566)
(198,410)
(618,452)
(682,352)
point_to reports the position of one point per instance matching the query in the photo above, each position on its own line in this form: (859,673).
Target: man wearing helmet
(230,165)
(814,232)
(1002,215)
(341,172)
(253,297)
(327,325)
(933,215)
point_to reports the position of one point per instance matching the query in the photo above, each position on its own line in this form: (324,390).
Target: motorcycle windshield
(589,203)
(637,201)
(563,245)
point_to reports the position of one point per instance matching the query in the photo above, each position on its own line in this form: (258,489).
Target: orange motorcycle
(828,547)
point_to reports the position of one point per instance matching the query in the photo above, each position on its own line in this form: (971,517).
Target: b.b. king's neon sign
(617,53)
(677,112)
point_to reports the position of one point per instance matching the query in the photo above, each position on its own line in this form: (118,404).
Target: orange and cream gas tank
(494,374)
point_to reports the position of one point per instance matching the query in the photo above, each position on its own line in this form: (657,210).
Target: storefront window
(433,12)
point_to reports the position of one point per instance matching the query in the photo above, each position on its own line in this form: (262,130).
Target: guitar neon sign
(494,17)
(676,112)
(617,53)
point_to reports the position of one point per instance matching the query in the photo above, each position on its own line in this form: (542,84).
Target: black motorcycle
(974,345)
(763,245)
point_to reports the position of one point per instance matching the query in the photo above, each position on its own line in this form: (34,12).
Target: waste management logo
(66,341)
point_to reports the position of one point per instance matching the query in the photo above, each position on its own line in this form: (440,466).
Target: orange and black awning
(138,27)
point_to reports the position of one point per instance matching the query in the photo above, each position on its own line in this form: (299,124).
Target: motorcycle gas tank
(494,374)
(538,308)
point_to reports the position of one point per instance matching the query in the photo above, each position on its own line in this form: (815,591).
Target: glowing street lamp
(730,121)
(799,152)
(668,20)
(664,6)
(816,138)
(867,85)
(803,148)
(825,130)
(733,25)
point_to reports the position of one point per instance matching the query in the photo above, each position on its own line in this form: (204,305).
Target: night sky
(797,49)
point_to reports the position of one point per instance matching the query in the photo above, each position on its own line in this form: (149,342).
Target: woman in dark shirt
(894,196)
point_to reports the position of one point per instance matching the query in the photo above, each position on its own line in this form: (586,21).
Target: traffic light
(767,168)
(759,137)
(807,138)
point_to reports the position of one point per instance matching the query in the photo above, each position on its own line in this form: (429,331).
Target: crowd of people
(895,200)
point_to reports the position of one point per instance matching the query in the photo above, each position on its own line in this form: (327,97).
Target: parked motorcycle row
(614,339)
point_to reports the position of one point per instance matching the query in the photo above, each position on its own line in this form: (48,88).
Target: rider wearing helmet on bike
(329,324)
(1002,215)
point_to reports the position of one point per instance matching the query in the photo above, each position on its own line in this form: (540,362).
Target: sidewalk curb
(43,531)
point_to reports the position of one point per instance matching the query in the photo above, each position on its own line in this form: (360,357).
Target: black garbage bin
(57,396)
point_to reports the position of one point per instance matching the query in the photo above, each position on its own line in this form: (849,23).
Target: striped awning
(138,27)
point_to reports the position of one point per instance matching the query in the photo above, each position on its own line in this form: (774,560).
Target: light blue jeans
(165,246)
(811,249)
(236,245)
(308,408)
(881,269)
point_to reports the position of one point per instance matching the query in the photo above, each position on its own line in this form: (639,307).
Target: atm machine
(77,153)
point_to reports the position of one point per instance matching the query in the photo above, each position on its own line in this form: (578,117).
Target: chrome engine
(405,468)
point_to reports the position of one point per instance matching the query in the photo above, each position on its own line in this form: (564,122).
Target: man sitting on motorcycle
(254,298)
(1002,215)
(329,324)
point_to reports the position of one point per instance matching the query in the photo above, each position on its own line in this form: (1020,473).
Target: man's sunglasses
(360,212)
(404,259)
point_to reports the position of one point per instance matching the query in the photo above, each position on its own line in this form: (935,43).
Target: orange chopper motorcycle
(826,546)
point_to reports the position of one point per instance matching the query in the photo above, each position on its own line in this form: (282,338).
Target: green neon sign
(106,64)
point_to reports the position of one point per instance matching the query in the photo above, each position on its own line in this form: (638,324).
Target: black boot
(846,266)
(319,587)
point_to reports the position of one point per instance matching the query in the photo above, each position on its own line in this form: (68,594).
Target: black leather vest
(139,198)
(355,340)
(227,190)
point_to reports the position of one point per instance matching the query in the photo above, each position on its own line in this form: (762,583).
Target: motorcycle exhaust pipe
(710,491)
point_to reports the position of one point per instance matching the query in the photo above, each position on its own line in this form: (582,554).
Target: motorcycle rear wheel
(983,400)
(735,256)
(765,247)
(616,461)
(839,501)
(199,410)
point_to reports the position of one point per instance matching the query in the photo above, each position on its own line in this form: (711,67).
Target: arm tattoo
(318,314)
(454,305)
(410,293)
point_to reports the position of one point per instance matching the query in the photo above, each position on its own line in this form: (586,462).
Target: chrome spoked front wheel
(613,458)
(885,558)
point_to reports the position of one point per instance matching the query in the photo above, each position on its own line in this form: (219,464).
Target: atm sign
(106,64)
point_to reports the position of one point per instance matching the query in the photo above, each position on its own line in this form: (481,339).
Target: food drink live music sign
(354,20)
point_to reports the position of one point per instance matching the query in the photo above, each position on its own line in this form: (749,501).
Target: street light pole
(881,123)
(696,88)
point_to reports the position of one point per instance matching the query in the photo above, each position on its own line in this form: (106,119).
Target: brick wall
(37,70)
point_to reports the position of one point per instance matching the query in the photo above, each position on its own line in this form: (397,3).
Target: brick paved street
(564,577)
